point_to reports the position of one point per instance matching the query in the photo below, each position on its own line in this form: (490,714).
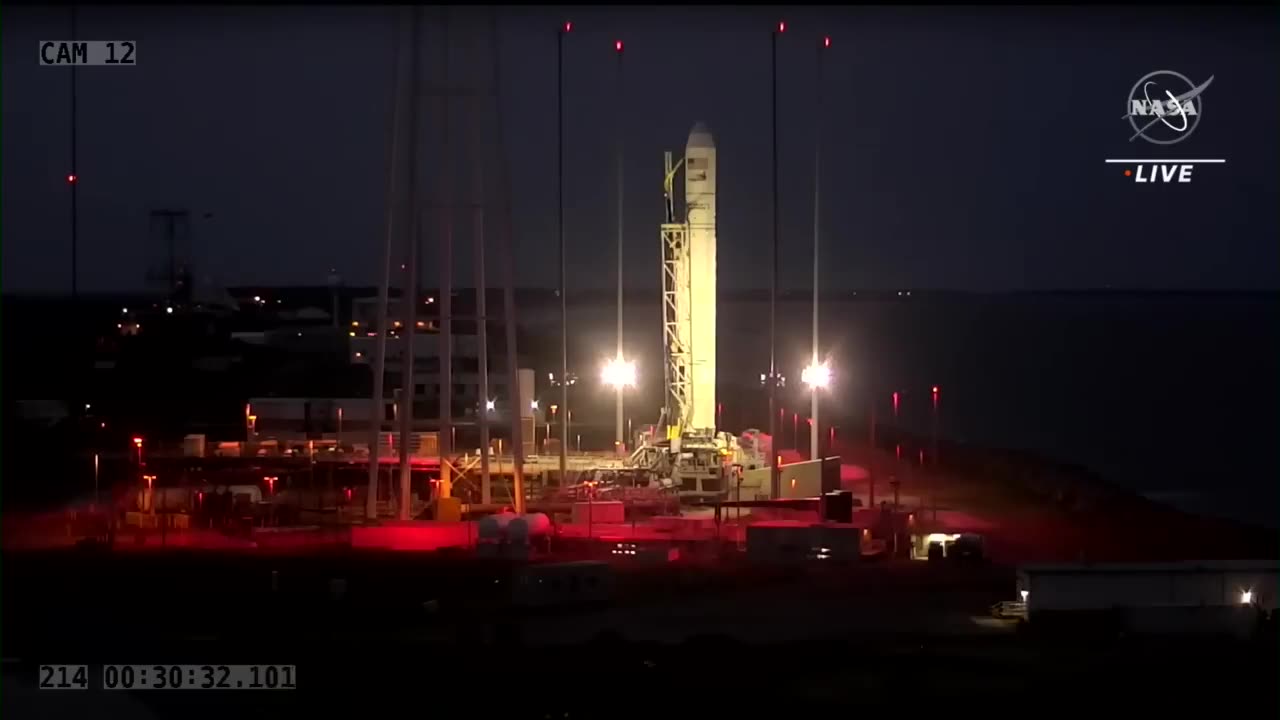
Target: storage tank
(526,527)
(493,527)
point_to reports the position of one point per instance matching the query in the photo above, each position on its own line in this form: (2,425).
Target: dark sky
(964,147)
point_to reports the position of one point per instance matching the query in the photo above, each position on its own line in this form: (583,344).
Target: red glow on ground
(414,536)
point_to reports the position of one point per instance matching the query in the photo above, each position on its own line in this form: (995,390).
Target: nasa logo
(1164,107)
(1157,115)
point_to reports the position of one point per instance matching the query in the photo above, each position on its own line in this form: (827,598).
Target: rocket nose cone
(700,137)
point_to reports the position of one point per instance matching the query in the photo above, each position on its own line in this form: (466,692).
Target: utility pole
(564,314)
(482,328)
(817,195)
(508,294)
(872,464)
(73,179)
(410,294)
(619,438)
(934,454)
(174,271)
(379,325)
(774,485)
(445,439)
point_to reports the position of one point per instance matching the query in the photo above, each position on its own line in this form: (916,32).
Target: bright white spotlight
(533,404)
(489,404)
(619,373)
(1246,597)
(816,376)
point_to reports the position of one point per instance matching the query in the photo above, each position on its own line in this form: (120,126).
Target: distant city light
(124,310)
(533,404)
(489,404)
(1246,597)
(257,298)
(168,311)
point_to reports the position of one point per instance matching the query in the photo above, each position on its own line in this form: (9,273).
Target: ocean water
(1177,396)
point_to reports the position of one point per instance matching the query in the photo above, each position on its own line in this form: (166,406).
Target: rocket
(700,215)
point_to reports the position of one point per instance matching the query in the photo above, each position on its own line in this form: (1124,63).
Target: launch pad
(694,457)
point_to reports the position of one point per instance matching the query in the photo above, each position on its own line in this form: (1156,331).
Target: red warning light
(782,26)
(568,26)
(71,179)
(935,389)
(617,45)
(826,42)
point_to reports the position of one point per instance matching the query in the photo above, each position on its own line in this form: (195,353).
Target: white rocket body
(700,215)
